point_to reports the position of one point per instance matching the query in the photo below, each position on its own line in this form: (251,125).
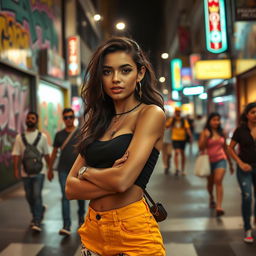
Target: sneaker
(36,227)
(177,172)
(212,204)
(65,231)
(166,171)
(219,212)
(183,173)
(32,223)
(248,238)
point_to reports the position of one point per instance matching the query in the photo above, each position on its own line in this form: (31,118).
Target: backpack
(32,158)
(182,120)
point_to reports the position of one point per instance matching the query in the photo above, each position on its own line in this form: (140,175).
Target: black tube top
(103,154)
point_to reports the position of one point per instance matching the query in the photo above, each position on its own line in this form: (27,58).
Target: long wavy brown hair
(99,107)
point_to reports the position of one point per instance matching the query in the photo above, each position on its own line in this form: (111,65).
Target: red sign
(74,68)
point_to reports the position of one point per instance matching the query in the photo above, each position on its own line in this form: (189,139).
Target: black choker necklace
(119,114)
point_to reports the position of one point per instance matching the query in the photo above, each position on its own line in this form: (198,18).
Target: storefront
(246,84)
(17,88)
(26,81)
(245,63)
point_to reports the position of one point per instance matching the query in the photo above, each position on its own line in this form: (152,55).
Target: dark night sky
(144,23)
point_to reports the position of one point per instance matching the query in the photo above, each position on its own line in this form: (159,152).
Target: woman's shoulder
(152,110)
(151,113)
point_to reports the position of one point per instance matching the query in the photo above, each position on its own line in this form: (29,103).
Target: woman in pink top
(212,140)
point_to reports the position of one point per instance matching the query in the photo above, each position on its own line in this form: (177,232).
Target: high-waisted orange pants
(131,230)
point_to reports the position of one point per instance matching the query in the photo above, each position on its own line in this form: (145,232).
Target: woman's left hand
(231,168)
(121,160)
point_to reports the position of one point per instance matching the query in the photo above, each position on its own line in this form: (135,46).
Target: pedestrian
(213,141)
(167,147)
(119,147)
(245,137)
(65,141)
(180,130)
(29,147)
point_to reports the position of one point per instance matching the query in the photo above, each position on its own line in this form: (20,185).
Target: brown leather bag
(157,209)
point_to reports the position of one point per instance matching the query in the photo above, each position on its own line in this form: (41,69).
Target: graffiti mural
(27,26)
(14,98)
(51,104)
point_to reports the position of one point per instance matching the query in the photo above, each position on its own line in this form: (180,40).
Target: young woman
(245,136)
(119,147)
(212,140)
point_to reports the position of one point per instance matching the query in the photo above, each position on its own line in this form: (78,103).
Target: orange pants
(131,230)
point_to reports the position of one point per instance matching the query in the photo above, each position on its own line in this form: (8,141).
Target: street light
(164,55)
(97,17)
(120,26)
(162,79)
(165,91)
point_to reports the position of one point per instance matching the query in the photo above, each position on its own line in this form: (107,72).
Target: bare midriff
(118,200)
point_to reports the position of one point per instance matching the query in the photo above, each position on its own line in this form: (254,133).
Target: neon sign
(74,56)
(215,26)
(176,65)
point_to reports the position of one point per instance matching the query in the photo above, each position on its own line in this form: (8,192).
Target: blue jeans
(65,203)
(33,187)
(247,181)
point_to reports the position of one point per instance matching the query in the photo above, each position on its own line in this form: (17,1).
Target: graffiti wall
(14,104)
(27,26)
(51,104)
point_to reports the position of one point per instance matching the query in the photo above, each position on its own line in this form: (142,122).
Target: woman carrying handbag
(213,141)
(245,136)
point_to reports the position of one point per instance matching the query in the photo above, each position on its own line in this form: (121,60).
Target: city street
(190,230)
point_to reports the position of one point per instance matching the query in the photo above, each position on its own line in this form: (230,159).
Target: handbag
(57,159)
(157,209)
(202,166)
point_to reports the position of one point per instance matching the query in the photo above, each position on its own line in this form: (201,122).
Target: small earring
(140,90)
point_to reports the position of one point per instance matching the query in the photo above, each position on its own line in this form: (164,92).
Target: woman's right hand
(119,162)
(206,133)
(245,167)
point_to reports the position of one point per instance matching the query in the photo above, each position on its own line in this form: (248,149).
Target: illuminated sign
(213,69)
(74,68)
(176,95)
(193,90)
(215,26)
(186,76)
(176,65)
(193,58)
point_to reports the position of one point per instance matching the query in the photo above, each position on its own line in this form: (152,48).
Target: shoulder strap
(149,197)
(67,139)
(24,140)
(38,137)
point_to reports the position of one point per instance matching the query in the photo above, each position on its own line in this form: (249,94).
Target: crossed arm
(99,182)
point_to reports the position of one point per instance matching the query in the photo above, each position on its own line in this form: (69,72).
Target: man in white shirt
(33,183)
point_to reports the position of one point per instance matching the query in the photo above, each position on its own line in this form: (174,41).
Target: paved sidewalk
(190,230)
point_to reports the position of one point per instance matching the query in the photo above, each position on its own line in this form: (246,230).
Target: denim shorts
(219,164)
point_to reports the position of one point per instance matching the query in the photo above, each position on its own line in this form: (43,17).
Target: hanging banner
(215,26)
